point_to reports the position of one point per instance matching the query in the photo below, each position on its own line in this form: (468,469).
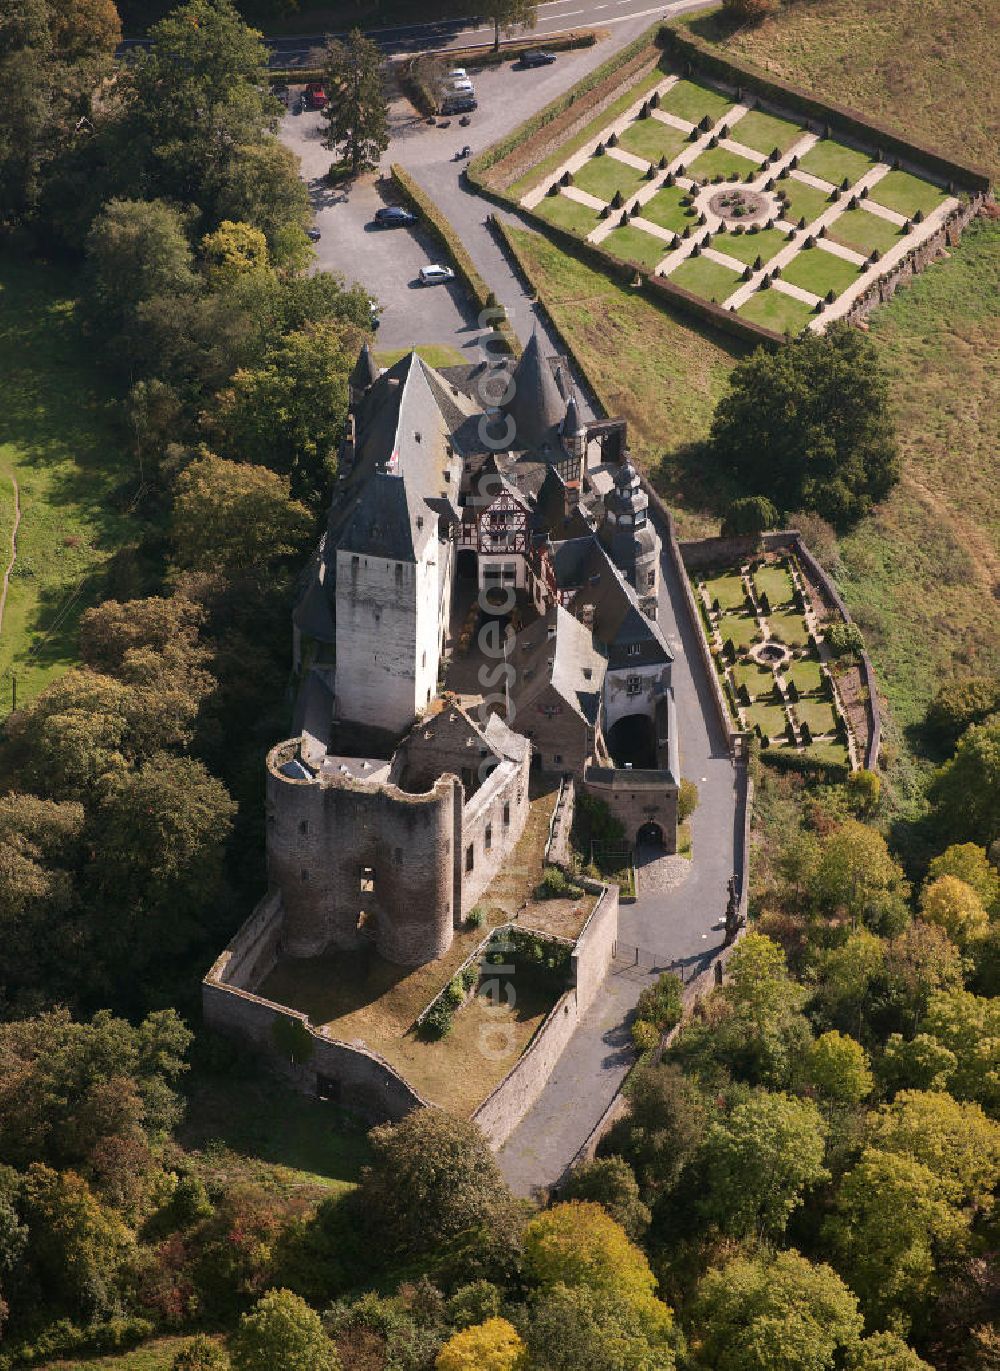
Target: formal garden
(780,661)
(750,208)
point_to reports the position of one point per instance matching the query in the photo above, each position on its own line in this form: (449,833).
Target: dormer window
(634,649)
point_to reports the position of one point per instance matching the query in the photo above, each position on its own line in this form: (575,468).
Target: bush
(556,885)
(662,1004)
(751,514)
(687,800)
(437,1022)
(645,1036)
(844,640)
(476,917)
(864,788)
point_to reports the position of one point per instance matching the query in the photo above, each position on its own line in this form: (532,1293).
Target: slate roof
(581,565)
(537,405)
(365,372)
(558,651)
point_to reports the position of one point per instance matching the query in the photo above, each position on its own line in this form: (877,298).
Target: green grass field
(804,201)
(542,170)
(666,210)
(602,176)
(721,162)
(692,101)
(789,628)
(728,590)
(806,674)
(759,680)
(652,138)
(906,193)
(58,437)
(631,244)
(772,718)
(434,354)
(704,277)
(747,247)
(741,629)
(775,310)
(818,714)
(774,582)
(832,161)
(156,1355)
(567,214)
(863,231)
(765,132)
(817,270)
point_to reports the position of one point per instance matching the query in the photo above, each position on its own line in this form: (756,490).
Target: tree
(857,878)
(288,412)
(757,1314)
(611,1182)
(751,515)
(236,517)
(577,1329)
(891,1217)
(357,111)
(864,789)
(838,1068)
(955,1141)
(233,249)
(281,1330)
(969,1026)
(920,1063)
(263,187)
(491,1346)
(202,1354)
(73,736)
(508,15)
(846,978)
(958,705)
(810,426)
(432,1177)
(885,1352)
(955,907)
(758,1162)
(920,962)
(578,1243)
(965,792)
(664,1127)
(40,854)
(970,864)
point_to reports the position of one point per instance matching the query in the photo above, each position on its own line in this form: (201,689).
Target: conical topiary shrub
(617,200)
(663,162)
(758,263)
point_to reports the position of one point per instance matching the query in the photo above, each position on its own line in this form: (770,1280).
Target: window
(470,857)
(634,649)
(363,919)
(557,758)
(633,685)
(506,815)
(488,837)
(305,874)
(367,879)
(355,563)
(399,573)
(587,616)
(303,825)
(650,578)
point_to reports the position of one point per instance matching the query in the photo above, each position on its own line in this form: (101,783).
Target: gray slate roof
(537,406)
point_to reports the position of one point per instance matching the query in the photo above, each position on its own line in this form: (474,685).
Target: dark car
(459,104)
(394,216)
(313,234)
(537,58)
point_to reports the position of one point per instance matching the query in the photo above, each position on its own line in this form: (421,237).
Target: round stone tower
(630,537)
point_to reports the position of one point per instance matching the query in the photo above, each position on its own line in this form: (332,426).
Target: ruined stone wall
(443,742)
(253,953)
(504,796)
(326,843)
(355,1077)
(595,947)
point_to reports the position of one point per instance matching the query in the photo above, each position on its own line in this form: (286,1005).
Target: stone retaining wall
(595,947)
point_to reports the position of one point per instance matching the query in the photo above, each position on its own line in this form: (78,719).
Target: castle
(481,604)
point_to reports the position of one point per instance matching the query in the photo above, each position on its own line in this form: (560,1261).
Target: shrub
(476,917)
(645,1036)
(555,885)
(437,1022)
(662,1004)
(687,799)
(864,789)
(844,640)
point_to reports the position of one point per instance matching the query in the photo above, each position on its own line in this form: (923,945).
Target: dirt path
(986,564)
(13,549)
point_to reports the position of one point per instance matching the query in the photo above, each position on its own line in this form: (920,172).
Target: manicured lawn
(775,310)
(759,680)
(728,590)
(59,438)
(720,162)
(631,244)
(832,161)
(772,718)
(863,231)
(665,209)
(602,176)
(692,101)
(819,271)
(765,132)
(829,751)
(906,193)
(663,371)
(544,169)
(742,629)
(789,628)
(804,201)
(775,583)
(806,674)
(156,1355)
(568,214)
(704,277)
(652,138)
(747,247)
(818,714)
(434,354)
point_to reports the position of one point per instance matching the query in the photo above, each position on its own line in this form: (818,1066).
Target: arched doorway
(467,565)
(632,742)
(650,835)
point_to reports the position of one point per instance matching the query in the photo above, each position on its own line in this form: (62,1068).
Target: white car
(462,88)
(434,275)
(458,74)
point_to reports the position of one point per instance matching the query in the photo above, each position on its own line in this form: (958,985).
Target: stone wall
(505,792)
(558,848)
(503,1109)
(353,1076)
(636,798)
(253,953)
(595,947)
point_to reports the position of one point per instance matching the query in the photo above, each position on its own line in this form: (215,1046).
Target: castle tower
(363,377)
(536,408)
(574,433)
(630,538)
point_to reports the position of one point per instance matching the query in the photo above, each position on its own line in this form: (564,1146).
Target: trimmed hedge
(687,48)
(803,765)
(444,232)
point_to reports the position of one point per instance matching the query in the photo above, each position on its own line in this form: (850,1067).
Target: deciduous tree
(610,1182)
(508,15)
(282,1330)
(954,906)
(965,792)
(237,517)
(838,1068)
(491,1346)
(857,878)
